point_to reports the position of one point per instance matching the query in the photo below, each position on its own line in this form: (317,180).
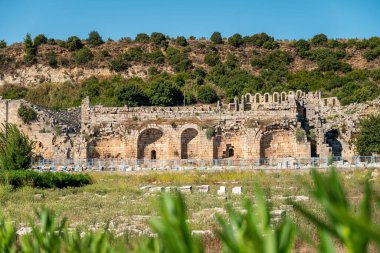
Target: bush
(212,58)
(15,148)
(235,40)
(216,37)
(210,132)
(119,63)
(94,39)
(142,38)
(302,45)
(74,43)
(35,179)
(164,93)
(181,40)
(10,91)
(319,40)
(3,44)
(39,40)
(131,95)
(178,59)
(30,50)
(159,39)
(207,95)
(372,54)
(83,56)
(52,59)
(27,114)
(368,138)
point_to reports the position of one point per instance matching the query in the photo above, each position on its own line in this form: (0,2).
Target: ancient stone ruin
(279,125)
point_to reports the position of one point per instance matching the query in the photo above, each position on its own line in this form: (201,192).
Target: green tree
(131,95)
(207,95)
(368,138)
(15,148)
(235,40)
(164,93)
(181,40)
(39,40)
(178,59)
(159,39)
(232,61)
(119,63)
(52,59)
(216,37)
(94,39)
(212,58)
(3,44)
(142,38)
(319,40)
(30,50)
(83,56)
(27,114)
(74,43)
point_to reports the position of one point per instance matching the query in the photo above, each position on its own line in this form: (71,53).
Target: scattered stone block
(203,188)
(237,190)
(222,190)
(169,189)
(300,198)
(147,187)
(156,189)
(186,188)
(277,213)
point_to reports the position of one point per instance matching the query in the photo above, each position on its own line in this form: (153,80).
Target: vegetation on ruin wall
(15,160)
(225,68)
(368,139)
(342,226)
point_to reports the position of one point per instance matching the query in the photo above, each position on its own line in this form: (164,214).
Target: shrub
(142,38)
(302,46)
(29,50)
(235,40)
(181,40)
(319,39)
(210,132)
(300,135)
(178,59)
(216,37)
(131,95)
(212,58)
(119,63)
(368,138)
(372,54)
(94,39)
(27,114)
(159,39)
(39,40)
(10,91)
(3,44)
(164,93)
(52,59)
(83,56)
(74,43)
(35,179)
(15,148)
(207,95)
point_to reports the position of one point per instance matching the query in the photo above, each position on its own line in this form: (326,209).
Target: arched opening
(325,102)
(266,98)
(332,139)
(333,101)
(283,97)
(230,152)
(276,98)
(257,98)
(149,140)
(153,155)
(299,94)
(189,147)
(248,98)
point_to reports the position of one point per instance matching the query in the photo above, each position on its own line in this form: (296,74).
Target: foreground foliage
(250,230)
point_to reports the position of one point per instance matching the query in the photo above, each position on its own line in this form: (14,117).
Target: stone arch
(257,98)
(248,97)
(276,97)
(283,97)
(279,143)
(290,93)
(267,98)
(299,93)
(188,143)
(150,140)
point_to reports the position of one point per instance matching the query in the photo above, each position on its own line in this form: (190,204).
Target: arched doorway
(148,141)
(153,155)
(188,143)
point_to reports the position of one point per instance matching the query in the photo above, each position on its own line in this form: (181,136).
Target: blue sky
(283,19)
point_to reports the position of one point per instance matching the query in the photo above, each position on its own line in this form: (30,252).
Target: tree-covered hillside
(194,70)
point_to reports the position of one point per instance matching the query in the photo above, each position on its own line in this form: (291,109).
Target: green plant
(300,135)
(73,43)
(29,50)
(3,44)
(181,40)
(142,38)
(368,139)
(39,40)
(216,37)
(94,39)
(52,59)
(319,39)
(353,229)
(15,148)
(212,58)
(235,40)
(83,55)
(210,132)
(207,94)
(26,114)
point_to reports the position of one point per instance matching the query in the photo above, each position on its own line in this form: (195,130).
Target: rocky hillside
(231,66)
